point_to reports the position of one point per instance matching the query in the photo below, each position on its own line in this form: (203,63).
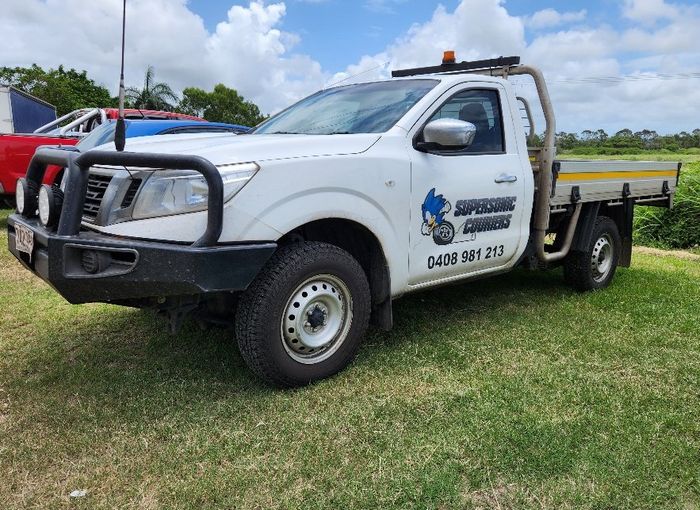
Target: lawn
(514,392)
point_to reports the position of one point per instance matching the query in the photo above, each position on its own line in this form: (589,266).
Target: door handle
(505,178)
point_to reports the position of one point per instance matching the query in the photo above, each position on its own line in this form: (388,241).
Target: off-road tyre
(263,309)
(595,267)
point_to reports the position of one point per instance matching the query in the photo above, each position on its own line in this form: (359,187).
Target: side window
(482,108)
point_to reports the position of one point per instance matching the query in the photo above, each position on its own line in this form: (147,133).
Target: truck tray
(651,182)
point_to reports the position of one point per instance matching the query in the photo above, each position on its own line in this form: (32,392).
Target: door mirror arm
(428,147)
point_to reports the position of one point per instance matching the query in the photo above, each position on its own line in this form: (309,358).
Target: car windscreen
(362,108)
(98,136)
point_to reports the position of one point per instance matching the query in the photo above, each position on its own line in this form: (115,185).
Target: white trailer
(21,112)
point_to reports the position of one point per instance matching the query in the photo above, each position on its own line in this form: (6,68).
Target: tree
(648,137)
(67,90)
(624,133)
(567,140)
(153,96)
(223,104)
(587,135)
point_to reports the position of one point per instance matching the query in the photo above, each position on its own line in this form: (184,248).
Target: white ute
(303,231)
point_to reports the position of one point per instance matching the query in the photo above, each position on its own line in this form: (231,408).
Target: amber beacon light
(449,57)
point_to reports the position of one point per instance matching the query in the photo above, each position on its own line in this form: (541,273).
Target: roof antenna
(120,131)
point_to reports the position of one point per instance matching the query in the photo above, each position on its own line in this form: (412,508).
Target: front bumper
(129,270)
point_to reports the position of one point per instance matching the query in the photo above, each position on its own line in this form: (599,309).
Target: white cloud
(649,11)
(249,50)
(474,29)
(547,18)
(484,28)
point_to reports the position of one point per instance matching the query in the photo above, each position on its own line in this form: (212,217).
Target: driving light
(25,198)
(177,192)
(50,201)
(94,261)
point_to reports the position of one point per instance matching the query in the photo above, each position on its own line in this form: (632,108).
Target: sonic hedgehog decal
(434,209)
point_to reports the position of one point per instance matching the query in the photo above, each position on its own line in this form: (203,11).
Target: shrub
(678,227)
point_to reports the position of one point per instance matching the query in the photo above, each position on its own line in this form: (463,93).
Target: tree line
(626,141)
(69,90)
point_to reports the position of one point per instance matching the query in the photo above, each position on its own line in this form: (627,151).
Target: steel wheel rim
(602,258)
(317,319)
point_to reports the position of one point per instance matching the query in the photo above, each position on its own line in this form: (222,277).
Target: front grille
(97,185)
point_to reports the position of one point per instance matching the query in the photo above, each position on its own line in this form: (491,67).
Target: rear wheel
(595,267)
(304,316)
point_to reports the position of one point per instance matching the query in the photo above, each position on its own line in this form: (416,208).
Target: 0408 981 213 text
(465,257)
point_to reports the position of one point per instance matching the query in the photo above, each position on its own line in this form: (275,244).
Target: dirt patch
(679,254)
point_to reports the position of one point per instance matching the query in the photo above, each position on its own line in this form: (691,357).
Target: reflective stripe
(591,176)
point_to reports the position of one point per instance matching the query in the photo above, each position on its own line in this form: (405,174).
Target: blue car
(105,133)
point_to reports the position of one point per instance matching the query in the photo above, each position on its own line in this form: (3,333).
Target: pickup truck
(17,149)
(303,232)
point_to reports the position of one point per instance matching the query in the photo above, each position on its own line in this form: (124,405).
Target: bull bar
(140,269)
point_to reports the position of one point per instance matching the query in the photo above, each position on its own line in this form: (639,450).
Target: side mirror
(447,134)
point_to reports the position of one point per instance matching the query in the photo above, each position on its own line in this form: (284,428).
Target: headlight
(177,192)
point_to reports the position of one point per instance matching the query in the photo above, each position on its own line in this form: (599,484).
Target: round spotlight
(19,195)
(50,201)
(25,198)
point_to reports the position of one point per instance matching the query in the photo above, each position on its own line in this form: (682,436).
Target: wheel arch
(621,214)
(364,246)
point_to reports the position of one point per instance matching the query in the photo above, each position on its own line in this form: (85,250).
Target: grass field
(684,158)
(513,392)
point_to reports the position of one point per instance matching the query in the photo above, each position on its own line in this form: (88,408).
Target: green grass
(513,392)
(679,227)
(645,156)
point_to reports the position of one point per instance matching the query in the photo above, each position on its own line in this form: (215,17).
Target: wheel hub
(316,319)
(602,258)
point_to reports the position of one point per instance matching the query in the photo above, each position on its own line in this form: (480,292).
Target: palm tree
(153,96)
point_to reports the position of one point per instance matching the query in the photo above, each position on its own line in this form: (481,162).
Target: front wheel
(304,316)
(595,268)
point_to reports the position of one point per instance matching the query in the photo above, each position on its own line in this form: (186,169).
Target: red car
(16,150)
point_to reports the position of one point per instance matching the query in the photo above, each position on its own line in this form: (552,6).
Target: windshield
(98,136)
(363,108)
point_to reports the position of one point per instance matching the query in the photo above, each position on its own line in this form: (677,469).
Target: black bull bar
(139,270)
(78,164)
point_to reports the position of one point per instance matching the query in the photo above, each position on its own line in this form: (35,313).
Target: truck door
(468,213)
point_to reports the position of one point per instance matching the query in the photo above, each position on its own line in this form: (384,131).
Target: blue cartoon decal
(434,224)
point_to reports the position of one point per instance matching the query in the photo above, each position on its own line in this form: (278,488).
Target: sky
(610,64)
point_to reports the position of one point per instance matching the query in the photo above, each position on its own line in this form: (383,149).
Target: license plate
(24,239)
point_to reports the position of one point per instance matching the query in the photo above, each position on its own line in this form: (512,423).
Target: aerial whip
(120,131)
